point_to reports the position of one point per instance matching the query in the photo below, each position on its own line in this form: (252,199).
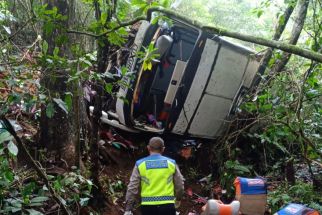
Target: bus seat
(163,44)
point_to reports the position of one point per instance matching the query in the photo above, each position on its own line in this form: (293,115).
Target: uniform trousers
(164,209)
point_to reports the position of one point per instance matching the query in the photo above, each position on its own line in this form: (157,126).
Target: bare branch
(124,24)
(71,31)
(121,25)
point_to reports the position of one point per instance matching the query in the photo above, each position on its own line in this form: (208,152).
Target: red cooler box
(252,195)
(296,209)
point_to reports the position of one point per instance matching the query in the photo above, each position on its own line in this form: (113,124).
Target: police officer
(158,181)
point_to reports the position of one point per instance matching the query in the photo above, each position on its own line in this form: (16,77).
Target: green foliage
(28,197)
(141,6)
(20,195)
(148,56)
(50,16)
(13,149)
(74,188)
(6,142)
(61,104)
(259,11)
(117,37)
(117,186)
(6,18)
(50,110)
(192,174)
(15,195)
(231,170)
(288,108)
(6,174)
(302,193)
(68,101)
(113,188)
(290,114)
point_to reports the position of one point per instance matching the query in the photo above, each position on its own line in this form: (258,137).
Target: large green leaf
(44,47)
(83,201)
(33,212)
(61,104)
(279,146)
(50,110)
(39,199)
(108,88)
(7,29)
(103,18)
(68,101)
(235,165)
(13,149)
(5,136)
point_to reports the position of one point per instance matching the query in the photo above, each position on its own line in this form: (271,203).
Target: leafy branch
(120,25)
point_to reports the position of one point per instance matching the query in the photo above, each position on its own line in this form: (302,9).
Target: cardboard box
(252,195)
(252,204)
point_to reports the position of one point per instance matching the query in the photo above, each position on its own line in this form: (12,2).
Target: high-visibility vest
(157,185)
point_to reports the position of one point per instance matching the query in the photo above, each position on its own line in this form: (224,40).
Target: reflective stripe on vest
(156,173)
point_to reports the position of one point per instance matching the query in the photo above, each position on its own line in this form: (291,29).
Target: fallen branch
(38,169)
(293,49)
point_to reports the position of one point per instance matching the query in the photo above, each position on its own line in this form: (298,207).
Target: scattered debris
(197,198)
(116,140)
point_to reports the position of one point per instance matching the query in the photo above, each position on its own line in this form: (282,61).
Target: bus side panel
(209,118)
(224,84)
(187,79)
(227,76)
(251,71)
(198,85)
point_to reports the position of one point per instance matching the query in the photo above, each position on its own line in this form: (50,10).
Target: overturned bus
(193,88)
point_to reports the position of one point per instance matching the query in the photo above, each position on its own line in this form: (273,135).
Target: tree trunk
(279,29)
(60,134)
(102,52)
(302,7)
(290,171)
